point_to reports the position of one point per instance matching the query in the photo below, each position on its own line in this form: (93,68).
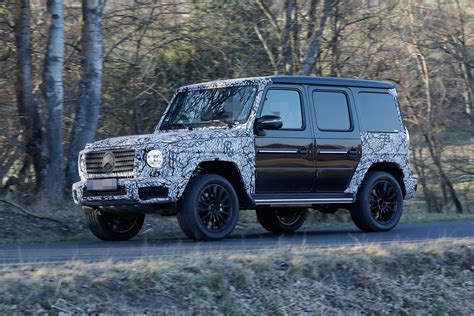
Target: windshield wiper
(217,122)
(177,125)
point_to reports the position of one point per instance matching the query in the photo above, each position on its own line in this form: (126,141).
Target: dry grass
(422,278)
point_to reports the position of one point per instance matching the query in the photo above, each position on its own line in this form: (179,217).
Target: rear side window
(287,105)
(378,112)
(332,111)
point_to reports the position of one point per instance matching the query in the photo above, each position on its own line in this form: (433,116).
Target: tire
(281,220)
(379,203)
(113,227)
(209,208)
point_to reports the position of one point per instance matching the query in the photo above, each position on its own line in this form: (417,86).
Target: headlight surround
(154,158)
(82,163)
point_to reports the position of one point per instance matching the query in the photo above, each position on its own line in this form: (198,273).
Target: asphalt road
(13,255)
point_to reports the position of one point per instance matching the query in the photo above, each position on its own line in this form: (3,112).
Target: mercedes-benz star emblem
(108,162)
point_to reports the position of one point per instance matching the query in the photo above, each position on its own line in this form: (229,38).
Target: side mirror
(267,122)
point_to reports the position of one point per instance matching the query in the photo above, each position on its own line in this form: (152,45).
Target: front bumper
(129,192)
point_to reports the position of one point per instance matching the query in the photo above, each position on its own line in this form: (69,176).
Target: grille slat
(117,163)
(116,169)
(124,160)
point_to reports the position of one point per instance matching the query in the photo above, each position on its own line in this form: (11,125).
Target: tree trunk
(26,104)
(437,162)
(335,54)
(285,58)
(295,46)
(88,103)
(469,87)
(24,85)
(267,49)
(314,45)
(421,64)
(419,164)
(53,93)
(466,68)
(312,17)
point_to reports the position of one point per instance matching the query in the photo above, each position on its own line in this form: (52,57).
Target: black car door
(285,157)
(338,143)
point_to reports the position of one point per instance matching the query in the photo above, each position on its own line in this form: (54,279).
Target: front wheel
(379,203)
(209,208)
(113,227)
(281,220)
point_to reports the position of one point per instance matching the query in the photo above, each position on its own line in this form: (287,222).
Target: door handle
(353,151)
(303,151)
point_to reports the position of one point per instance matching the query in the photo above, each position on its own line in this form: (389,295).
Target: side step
(303,199)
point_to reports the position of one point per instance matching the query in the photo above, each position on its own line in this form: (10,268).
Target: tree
(88,103)
(451,35)
(26,105)
(53,178)
(427,122)
(314,42)
(291,57)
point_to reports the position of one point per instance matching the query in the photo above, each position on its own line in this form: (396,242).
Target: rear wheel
(209,208)
(379,203)
(113,227)
(281,220)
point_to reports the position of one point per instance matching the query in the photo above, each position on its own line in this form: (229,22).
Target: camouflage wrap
(183,150)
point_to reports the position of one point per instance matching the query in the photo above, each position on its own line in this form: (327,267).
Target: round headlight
(154,158)
(82,163)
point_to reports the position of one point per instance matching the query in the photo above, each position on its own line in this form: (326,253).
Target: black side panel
(285,157)
(284,164)
(335,165)
(338,144)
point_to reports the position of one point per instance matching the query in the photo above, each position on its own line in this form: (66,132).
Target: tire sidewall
(363,200)
(101,228)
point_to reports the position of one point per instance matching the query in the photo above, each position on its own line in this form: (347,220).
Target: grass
(18,228)
(422,278)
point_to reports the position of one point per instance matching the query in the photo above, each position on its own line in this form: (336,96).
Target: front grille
(123,163)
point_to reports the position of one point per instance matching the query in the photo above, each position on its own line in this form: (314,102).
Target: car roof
(310,80)
(331,81)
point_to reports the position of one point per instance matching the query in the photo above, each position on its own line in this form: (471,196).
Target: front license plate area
(102,185)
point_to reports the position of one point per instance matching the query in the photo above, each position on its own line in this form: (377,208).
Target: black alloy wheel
(383,202)
(208,208)
(379,203)
(214,207)
(289,218)
(281,220)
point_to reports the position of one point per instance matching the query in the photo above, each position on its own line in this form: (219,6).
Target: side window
(332,111)
(285,104)
(378,112)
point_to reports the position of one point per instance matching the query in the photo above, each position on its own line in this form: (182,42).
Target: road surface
(13,255)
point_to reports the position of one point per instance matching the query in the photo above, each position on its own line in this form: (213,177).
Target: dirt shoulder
(426,278)
(67,222)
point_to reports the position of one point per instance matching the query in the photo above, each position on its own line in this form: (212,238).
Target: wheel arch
(393,169)
(229,171)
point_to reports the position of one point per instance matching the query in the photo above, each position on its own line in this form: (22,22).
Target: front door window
(287,105)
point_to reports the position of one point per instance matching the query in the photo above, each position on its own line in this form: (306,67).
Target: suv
(278,144)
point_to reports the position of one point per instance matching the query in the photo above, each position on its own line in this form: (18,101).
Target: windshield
(210,107)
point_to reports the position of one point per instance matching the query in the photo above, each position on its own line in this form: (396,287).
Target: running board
(295,200)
